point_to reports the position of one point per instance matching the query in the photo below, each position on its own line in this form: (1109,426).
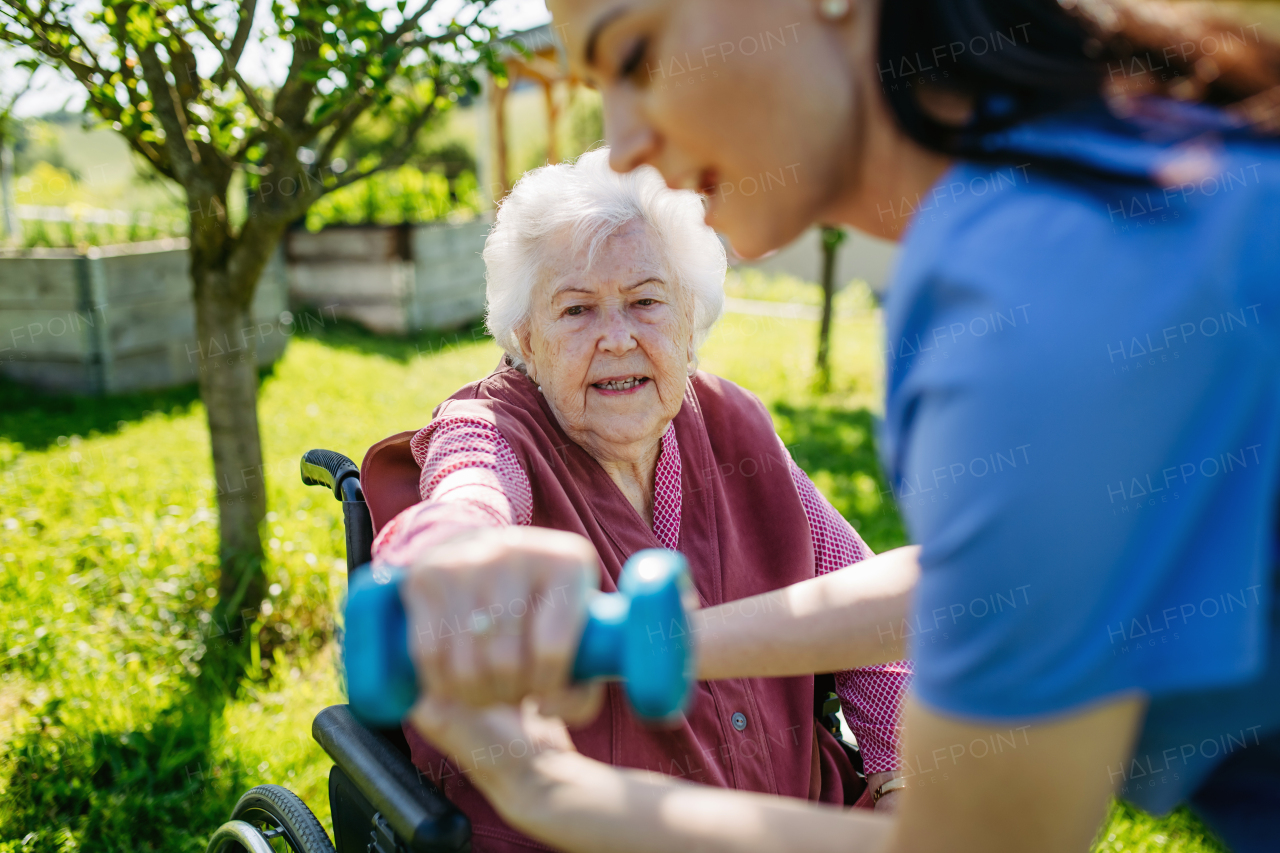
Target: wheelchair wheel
(280,814)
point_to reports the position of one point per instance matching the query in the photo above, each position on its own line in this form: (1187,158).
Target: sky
(54,90)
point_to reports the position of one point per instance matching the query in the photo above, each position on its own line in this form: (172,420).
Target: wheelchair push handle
(331,470)
(639,634)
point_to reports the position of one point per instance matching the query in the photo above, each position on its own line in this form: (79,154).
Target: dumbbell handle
(639,634)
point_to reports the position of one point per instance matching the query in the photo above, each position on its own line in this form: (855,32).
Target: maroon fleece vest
(744,532)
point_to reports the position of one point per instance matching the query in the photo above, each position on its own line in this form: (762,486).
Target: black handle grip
(327,468)
(415,810)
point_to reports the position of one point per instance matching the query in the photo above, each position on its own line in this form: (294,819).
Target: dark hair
(1017,59)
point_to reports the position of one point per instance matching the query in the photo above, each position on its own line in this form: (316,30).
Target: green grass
(852,298)
(107,537)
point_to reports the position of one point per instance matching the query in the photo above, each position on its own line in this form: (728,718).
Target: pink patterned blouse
(471,478)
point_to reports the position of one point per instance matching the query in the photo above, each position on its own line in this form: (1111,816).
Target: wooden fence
(118,318)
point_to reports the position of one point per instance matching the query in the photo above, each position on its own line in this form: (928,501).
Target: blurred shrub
(49,186)
(405,195)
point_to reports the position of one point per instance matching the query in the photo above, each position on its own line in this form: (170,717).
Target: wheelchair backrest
(389,477)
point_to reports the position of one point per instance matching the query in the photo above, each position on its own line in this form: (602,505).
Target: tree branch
(408,24)
(399,154)
(156,156)
(448,35)
(247,10)
(340,117)
(229,61)
(189,90)
(172,115)
(294,97)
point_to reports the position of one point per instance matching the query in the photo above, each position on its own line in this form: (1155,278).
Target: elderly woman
(598,437)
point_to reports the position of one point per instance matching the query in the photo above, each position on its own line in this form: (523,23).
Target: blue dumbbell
(639,634)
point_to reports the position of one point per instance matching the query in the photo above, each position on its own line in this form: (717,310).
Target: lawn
(107,536)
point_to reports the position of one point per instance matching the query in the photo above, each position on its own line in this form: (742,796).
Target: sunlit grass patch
(1130,830)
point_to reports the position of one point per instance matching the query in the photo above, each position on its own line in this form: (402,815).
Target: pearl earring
(833,10)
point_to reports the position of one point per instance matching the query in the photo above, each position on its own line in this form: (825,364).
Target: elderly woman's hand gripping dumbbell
(496,616)
(640,634)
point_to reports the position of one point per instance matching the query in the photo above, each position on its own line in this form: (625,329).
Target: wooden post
(553,116)
(498,102)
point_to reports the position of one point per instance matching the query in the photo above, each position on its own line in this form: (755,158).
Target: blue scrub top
(1081,432)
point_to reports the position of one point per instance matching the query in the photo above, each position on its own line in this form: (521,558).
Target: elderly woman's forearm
(577,804)
(842,620)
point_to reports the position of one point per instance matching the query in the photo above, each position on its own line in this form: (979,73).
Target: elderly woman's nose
(617,333)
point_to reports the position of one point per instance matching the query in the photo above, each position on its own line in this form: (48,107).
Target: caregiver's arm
(1047,793)
(849,618)
(968,791)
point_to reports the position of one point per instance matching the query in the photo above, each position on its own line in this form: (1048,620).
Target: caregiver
(1081,418)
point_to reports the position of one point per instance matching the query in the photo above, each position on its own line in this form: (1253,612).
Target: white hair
(590,201)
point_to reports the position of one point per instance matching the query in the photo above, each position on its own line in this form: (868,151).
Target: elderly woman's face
(609,344)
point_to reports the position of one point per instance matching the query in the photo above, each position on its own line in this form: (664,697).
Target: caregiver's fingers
(576,705)
(491,743)
(545,731)
(474,740)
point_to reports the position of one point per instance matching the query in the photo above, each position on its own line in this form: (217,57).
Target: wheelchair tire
(278,810)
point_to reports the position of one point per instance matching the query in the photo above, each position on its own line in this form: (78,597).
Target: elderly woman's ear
(526,353)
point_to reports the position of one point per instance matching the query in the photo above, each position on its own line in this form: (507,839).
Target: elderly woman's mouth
(621,384)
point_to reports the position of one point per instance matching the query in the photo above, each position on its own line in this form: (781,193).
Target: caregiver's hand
(496,615)
(495,747)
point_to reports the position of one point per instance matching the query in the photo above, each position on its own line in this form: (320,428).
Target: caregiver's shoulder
(1224,198)
(1094,266)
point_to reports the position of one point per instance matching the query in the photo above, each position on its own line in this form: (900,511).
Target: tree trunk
(228,375)
(831,240)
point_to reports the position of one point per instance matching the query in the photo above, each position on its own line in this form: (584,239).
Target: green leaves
(354,63)
(406,195)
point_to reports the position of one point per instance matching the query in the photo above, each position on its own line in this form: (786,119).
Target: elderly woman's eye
(646,302)
(574,310)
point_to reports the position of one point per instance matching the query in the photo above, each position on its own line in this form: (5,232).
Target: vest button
(739,721)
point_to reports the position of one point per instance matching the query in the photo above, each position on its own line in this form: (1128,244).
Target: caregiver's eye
(631,64)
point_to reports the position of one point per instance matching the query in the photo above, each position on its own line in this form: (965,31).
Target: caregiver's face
(746,101)
(609,343)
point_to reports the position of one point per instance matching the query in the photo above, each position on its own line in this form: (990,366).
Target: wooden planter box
(392,279)
(116,318)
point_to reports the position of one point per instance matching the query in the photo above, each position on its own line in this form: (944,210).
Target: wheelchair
(380,802)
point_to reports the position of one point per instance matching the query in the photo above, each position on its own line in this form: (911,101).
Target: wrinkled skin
(618,316)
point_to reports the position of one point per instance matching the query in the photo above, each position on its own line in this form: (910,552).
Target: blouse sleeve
(470,478)
(871,696)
